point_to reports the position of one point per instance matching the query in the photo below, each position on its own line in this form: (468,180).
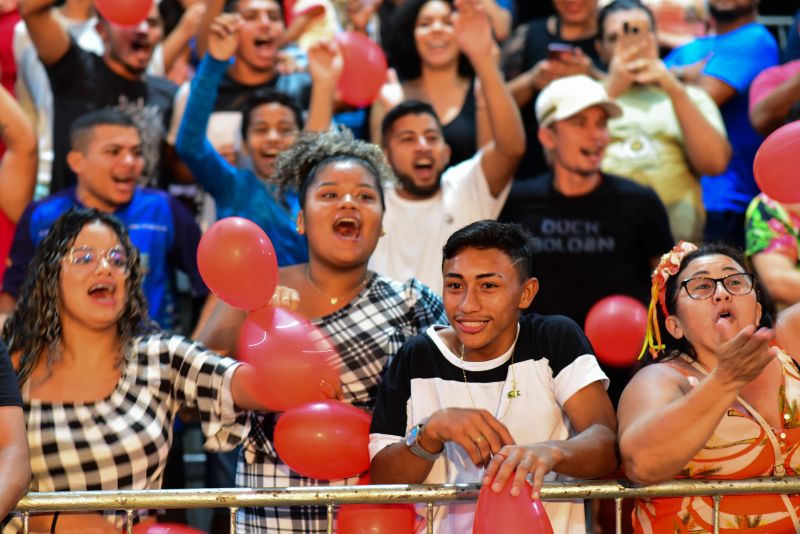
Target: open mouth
(423,166)
(102,293)
(264,43)
(471,326)
(141,46)
(725,315)
(347,228)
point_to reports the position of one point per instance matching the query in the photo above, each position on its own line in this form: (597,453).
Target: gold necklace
(334,300)
(512,394)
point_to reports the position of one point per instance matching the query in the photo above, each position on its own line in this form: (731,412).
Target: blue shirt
(735,58)
(160,228)
(237,192)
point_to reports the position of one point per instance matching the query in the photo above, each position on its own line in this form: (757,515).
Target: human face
(342,215)
(418,154)
(434,35)
(578,142)
(731,10)
(483,298)
(130,48)
(272,130)
(709,322)
(109,167)
(576,12)
(613,29)
(261,33)
(93,295)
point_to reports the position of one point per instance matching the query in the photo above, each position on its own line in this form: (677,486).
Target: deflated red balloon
(291,357)
(124,12)
(327,440)
(500,512)
(237,262)
(616,327)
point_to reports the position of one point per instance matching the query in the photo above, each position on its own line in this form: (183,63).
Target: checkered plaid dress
(122,441)
(366,333)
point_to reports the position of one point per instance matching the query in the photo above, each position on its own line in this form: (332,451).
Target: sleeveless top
(742,446)
(461,132)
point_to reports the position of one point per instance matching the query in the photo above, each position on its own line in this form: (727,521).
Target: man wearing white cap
(595,234)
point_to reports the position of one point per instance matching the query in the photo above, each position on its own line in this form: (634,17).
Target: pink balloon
(124,12)
(500,512)
(775,167)
(327,440)
(291,358)
(237,262)
(364,71)
(616,326)
(165,528)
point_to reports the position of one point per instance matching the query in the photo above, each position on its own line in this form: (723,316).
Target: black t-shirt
(9,391)
(524,49)
(82,82)
(233,95)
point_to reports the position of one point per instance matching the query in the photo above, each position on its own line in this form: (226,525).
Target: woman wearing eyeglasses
(717,396)
(100,384)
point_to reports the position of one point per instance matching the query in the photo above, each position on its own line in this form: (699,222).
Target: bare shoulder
(787,331)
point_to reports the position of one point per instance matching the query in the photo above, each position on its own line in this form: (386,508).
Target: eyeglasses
(702,287)
(87,258)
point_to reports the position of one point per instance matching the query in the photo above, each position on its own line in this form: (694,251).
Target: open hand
(742,356)
(325,62)
(473,30)
(519,460)
(223,36)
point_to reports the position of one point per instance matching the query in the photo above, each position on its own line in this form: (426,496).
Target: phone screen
(559,51)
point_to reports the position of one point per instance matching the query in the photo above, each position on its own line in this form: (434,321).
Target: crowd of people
(448,239)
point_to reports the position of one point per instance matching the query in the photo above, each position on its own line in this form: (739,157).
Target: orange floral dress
(742,446)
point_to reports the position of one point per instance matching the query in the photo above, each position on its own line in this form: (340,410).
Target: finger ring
(479,438)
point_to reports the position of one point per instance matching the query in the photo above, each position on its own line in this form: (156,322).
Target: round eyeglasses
(703,287)
(87,258)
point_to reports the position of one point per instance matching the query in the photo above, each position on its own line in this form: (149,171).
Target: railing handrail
(417,493)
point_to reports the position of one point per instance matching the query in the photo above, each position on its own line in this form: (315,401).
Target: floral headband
(669,265)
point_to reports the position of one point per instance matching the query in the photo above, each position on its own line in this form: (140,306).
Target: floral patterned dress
(742,446)
(770,227)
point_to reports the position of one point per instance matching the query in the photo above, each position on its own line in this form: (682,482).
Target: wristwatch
(412,441)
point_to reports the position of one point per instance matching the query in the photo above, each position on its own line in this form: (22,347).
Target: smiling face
(578,142)
(434,36)
(483,297)
(418,154)
(131,47)
(108,167)
(93,280)
(707,323)
(342,214)
(261,33)
(273,128)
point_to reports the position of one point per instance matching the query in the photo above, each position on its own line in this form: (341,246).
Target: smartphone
(560,51)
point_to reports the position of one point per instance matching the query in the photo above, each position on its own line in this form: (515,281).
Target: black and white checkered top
(366,333)
(122,441)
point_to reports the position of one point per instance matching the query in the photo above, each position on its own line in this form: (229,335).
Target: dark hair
(621,5)
(675,347)
(269,96)
(406,107)
(83,127)
(511,239)
(35,325)
(402,48)
(297,166)
(232,6)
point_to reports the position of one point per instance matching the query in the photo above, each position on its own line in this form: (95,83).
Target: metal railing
(330,496)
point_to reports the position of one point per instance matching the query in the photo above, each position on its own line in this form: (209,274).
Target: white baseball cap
(565,97)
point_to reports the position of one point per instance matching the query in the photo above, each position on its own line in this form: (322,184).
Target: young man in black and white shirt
(519,396)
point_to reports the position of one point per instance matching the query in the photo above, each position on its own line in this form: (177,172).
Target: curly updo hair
(297,166)
(34,327)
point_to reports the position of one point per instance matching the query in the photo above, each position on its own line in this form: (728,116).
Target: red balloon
(124,12)
(774,166)
(328,440)
(376,519)
(500,512)
(237,262)
(291,357)
(364,71)
(616,326)
(165,528)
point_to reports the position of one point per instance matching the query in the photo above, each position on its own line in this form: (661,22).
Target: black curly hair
(402,48)
(34,327)
(675,347)
(297,166)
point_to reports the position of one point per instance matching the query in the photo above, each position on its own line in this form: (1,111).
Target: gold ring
(479,438)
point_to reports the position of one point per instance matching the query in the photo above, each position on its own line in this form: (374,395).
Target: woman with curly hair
(365,316)
(100,384)
(717,397)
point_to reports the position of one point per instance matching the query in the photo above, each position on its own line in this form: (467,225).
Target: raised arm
(501,156)
(780,274)
(769,112)
(590,453)
(177,42)
(18,167)
(49,38)
(325,63)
